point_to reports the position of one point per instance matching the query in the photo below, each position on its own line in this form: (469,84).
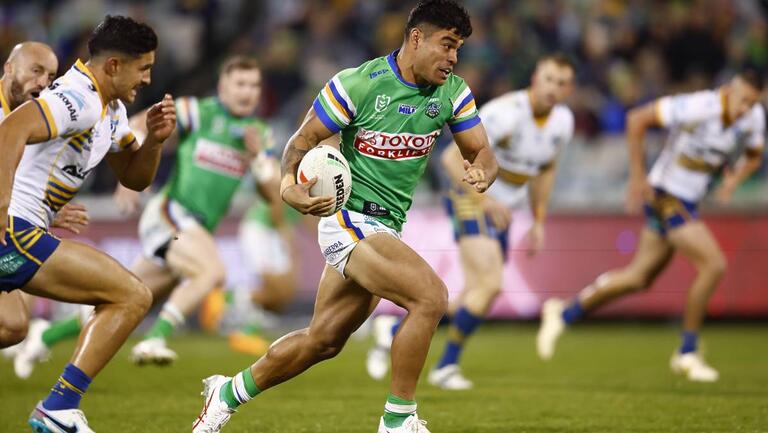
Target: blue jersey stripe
(464,125)
(324,117)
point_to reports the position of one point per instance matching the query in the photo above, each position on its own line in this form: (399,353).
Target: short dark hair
(445,14)
(752,76)
(560,59)
(123,35)
(238,62)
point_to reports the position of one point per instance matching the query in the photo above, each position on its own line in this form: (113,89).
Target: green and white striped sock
(397,410)
(240,389)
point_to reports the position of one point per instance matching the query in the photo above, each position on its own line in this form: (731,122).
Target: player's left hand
(161,119)
(475,176)
(72,217)
(535,239)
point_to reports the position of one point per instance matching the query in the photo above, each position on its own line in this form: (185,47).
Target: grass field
(605,378)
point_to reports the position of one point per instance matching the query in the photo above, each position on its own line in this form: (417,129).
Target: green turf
(605,378)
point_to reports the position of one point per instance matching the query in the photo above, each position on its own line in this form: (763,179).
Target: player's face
(743,96)
(131,74)
(551,84)
(240,91)
(31,73)
(436,55)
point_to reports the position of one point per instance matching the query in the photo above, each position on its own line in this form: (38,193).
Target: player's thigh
(652,255)
(80,274)
(341,306)
(482,261)
(696,242)
(14,314)
(390,269)
(158,278)
(194,252)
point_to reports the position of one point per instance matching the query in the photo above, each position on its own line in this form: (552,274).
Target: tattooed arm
(311,132)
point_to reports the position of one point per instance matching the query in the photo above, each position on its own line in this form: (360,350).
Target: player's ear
(111,65)
(7,68)
(414,37)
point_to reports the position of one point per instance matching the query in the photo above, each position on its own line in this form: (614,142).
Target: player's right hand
(638,191)
(475,176)
(127,200)
(297,196)
(72,217)
(499,214)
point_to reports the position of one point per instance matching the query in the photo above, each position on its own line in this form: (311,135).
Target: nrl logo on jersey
(382,102)
(433,108)
(398,146)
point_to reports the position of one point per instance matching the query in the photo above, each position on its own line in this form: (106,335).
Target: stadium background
(627,53)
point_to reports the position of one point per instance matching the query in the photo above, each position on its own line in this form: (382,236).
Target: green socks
(170,317)
(62,330)
(397,410)
(239,389)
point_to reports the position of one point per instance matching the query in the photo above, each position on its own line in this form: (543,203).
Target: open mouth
(445,72)
(35,94)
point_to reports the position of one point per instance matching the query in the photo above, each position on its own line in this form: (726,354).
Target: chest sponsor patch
(384,145)
(220,159)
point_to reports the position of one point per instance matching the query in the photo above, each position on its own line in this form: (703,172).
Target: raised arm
(25,125)
(136,167)
(311,132)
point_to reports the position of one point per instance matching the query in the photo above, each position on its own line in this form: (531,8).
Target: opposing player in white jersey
(706,128)
(29,69)
(76,123)
(527,130)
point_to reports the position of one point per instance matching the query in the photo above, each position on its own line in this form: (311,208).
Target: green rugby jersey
(388,129)
(211,158)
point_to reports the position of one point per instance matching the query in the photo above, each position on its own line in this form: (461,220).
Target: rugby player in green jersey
(389,111)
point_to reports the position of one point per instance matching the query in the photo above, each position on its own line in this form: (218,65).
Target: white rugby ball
(332,172)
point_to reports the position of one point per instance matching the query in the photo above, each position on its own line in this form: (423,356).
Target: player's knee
(213,273)
(137,296)
(715,266)
(434,301)
(12,333)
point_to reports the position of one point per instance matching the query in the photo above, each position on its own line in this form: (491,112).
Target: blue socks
(690,341)
(573,312)
(463,325)
(68,390)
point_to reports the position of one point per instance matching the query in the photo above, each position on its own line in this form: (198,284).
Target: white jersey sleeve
(756,135)
(497,120)
(689,108)
(68,110)
(122,137)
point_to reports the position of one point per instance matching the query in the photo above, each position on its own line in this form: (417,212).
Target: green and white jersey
(211,159)
(259,212)
(388,129)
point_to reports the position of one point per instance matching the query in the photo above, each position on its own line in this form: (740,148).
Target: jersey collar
(392,60)
(80,67)
(3,102)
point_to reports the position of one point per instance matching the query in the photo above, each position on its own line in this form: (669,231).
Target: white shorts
(265,250)
(339,234)
(161,220)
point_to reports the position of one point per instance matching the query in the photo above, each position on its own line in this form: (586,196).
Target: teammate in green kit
(389,111)
(218,140)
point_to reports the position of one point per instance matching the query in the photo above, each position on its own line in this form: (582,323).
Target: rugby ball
(332,172)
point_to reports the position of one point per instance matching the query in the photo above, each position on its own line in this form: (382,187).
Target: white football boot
(32,350)
(551,327)
(693,367)
(58,421)
(450,378)
(412,424)
(152,351)
(378,359)
(215,411)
